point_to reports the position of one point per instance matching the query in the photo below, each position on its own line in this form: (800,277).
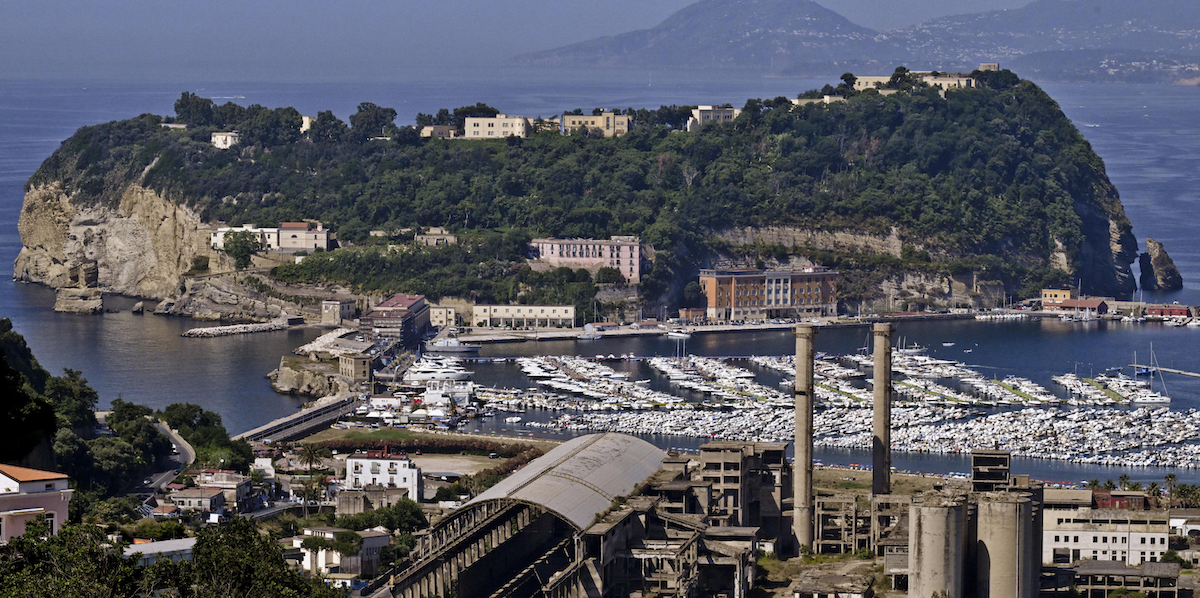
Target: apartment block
(749,294)
(623,253)
(501,125)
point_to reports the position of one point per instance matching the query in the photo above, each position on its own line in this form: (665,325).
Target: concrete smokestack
(803,513)
(881,431)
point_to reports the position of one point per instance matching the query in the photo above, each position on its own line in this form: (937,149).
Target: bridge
(302,422)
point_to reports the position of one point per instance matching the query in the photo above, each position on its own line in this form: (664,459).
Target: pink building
(622,253)
(27,493)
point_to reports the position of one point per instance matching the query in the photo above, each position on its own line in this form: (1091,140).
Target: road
(186,456)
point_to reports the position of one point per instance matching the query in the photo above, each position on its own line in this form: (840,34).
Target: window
(1143,540)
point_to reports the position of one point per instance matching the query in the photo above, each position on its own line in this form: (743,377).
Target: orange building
(762,294)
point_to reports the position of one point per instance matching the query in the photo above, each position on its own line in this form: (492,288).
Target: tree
(609,275)
(1170,479)
(236,560)
(193,110)
(901,78)
(240,245)
(478,110)
(1123,481)
(693,295)
(78,561)
(327,128)
(27,417)
(74,401)
(371,121)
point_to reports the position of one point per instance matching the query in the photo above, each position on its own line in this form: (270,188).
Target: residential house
(325,560)
(26,494)
(225,140)
(439,131)
(235,487)
(205,500)
(378,468)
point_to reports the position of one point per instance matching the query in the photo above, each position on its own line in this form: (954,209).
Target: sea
(1147,136)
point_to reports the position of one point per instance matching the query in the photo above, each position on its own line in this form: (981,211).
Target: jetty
(215,331)
(300,424)
(1167,370)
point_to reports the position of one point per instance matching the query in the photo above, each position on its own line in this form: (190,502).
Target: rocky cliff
(1158,269)
(315,379)
(140,245)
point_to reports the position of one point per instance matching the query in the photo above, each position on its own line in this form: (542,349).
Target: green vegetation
(228,560)
(241,245)
(207,435)
(404,516)
(986,180)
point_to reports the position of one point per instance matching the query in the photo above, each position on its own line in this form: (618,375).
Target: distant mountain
(1049,26)
(1066,39)
(763,35)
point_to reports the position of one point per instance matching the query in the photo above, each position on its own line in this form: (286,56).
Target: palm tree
(310,456)
(1155,492)
(1093,484)
(1170,480)
(1109,485)
(1123,481)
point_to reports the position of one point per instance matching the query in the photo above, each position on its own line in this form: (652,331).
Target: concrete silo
(1005,539)
(937,546)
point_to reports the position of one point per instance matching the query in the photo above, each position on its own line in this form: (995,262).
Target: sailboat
(1151,397)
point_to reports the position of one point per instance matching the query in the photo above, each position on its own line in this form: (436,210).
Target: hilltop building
(436,236)
(288,236)
(703,116)
(750,294)
(225,140)
(501,125)
(608,123)
(439,131)
(26,494)
(623,253)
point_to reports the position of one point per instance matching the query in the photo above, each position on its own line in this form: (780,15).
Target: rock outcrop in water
(1158,269)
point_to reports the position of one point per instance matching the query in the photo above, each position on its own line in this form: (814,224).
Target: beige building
(523,316)
(703,116)
(1052,297)
(355,367)
(937,79)
(501,125)
(442,316)
(434,237)
(439,131)
(294,236)
(609,123)
(622,253)
(334,311)
(225,140)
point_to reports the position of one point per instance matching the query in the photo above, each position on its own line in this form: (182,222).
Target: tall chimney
(881,431)
(802,515)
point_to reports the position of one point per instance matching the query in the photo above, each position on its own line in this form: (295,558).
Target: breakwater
(214,331)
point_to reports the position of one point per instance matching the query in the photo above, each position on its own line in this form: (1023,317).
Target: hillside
(754,34)
(911,191)
(1106,40)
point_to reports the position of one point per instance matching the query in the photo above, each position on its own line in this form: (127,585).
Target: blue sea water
(1146,134)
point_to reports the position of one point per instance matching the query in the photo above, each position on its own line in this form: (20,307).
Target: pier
(302,422)
(1167,370)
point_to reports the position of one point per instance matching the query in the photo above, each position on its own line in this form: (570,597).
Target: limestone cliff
(315,379)
(140,245)
(1158,269)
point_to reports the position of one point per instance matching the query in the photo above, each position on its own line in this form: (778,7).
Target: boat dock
(1167,370)
(302,422)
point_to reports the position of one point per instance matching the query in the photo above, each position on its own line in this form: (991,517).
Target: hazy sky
(296,39)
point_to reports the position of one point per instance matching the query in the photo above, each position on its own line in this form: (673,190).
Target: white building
(325,560)
(501,125)
(374,468)
(225,140)
(1072,530)
(703,116)
(179,549)
(267,237)
(27,493)
(608,123)
(523,316)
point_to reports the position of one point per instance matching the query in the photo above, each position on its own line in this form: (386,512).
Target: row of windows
(1104,539)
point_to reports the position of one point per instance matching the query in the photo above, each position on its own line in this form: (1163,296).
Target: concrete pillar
(881,430)
(936,546)
(802,516)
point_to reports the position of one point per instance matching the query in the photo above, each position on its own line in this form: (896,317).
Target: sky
(322,40)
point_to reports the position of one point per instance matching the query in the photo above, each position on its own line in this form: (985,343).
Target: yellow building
(1053,297)
(609,123)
